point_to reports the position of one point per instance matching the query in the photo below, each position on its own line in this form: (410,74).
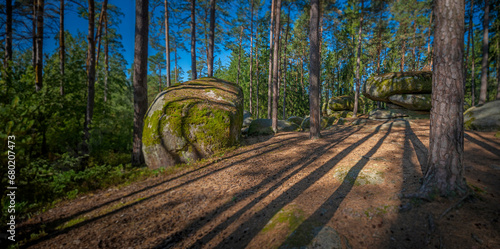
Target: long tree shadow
(309,229)
(484,138)
(50,228)
(259,219)
(486,146)
(200,222)
(420,149)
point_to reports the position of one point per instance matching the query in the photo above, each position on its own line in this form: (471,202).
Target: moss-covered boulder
(381,87)
(306,123)
(295,119)
(483,118)
(416,102)
(341,114)
(341,103)
(192,120)
(263,126)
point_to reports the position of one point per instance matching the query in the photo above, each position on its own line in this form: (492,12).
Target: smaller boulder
(483,118)
(264,127)
(247,118)
(341,103)
(295,119)
(386,114)
(341,121)
(416,102)
(359,121)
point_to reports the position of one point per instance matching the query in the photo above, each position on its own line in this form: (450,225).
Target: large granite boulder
(324,122)
(483,118)
(407,89)
(192,120)
(263,126)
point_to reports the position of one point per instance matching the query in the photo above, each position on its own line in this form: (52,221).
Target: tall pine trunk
(193,40)
(210,66)
(61,46)
(276,57)
(498,70)
(270,72)
(358,62)
(403,52)
(140,77)
(445,172)
(429,43)
(285,62)
(314,69)
(239,56)
(39,45)
(483,94)
(251,59)
(167,44)
(90,80)
(98,37)
(106,58)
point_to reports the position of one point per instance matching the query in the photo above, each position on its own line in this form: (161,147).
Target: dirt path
(341,191)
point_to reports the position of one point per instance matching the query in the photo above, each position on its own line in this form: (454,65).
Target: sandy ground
(342,191)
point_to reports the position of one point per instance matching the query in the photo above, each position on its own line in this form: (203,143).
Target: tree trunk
(90,81)
(269,80)
(167,44)
(498,70)
(484,65)
(193,40)
(285,62)
(429,43)
(175,61)
(61,46)
(276,57)
(8,33)
(257,71)
(39,46)
(251,59)
(358,62)
(314,69)
(210,66)
(468,46)
(445,172)
(239,56)
(403,52)
(33,34)
(473,73)
(106,58)
(140,83)
(99,30)
(414,52)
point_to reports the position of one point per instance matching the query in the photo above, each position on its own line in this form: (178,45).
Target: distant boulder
(264,127)
(295,119)
(483,118)
(324,122)
(192,120)
(341,103)
(416,102)
(247,118)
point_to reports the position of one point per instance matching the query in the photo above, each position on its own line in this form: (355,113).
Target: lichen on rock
(190,121)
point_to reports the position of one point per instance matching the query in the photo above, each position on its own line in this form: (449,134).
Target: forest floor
(341,191)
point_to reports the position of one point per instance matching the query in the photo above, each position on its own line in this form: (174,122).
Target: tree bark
(210,66)
(468,47)
(358,62)
(90,81)
(8,32)
(269,80)
(484,65)
(140,77)
(473,73)
(239,56)
(106,58)
(276,57)
(445,172)
(193,40)
(429,43)
(251,58)
(61,46)
(498,71)
(167,44)
(285,62)
(314,69)
(39,45)
(99,30)
(403,52)
(175,61)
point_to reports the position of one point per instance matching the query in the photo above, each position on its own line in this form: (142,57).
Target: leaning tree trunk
(276,57)
(90,81)
(484,65)
(61,46)
(358,61)
(445,172)
(39,45)
(269,80)
(314,65)
(210,66)
(167,44)
(140,83)
(193,40)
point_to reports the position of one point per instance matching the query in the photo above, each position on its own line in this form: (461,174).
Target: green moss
(291,216)
(71,223)
(149,133)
